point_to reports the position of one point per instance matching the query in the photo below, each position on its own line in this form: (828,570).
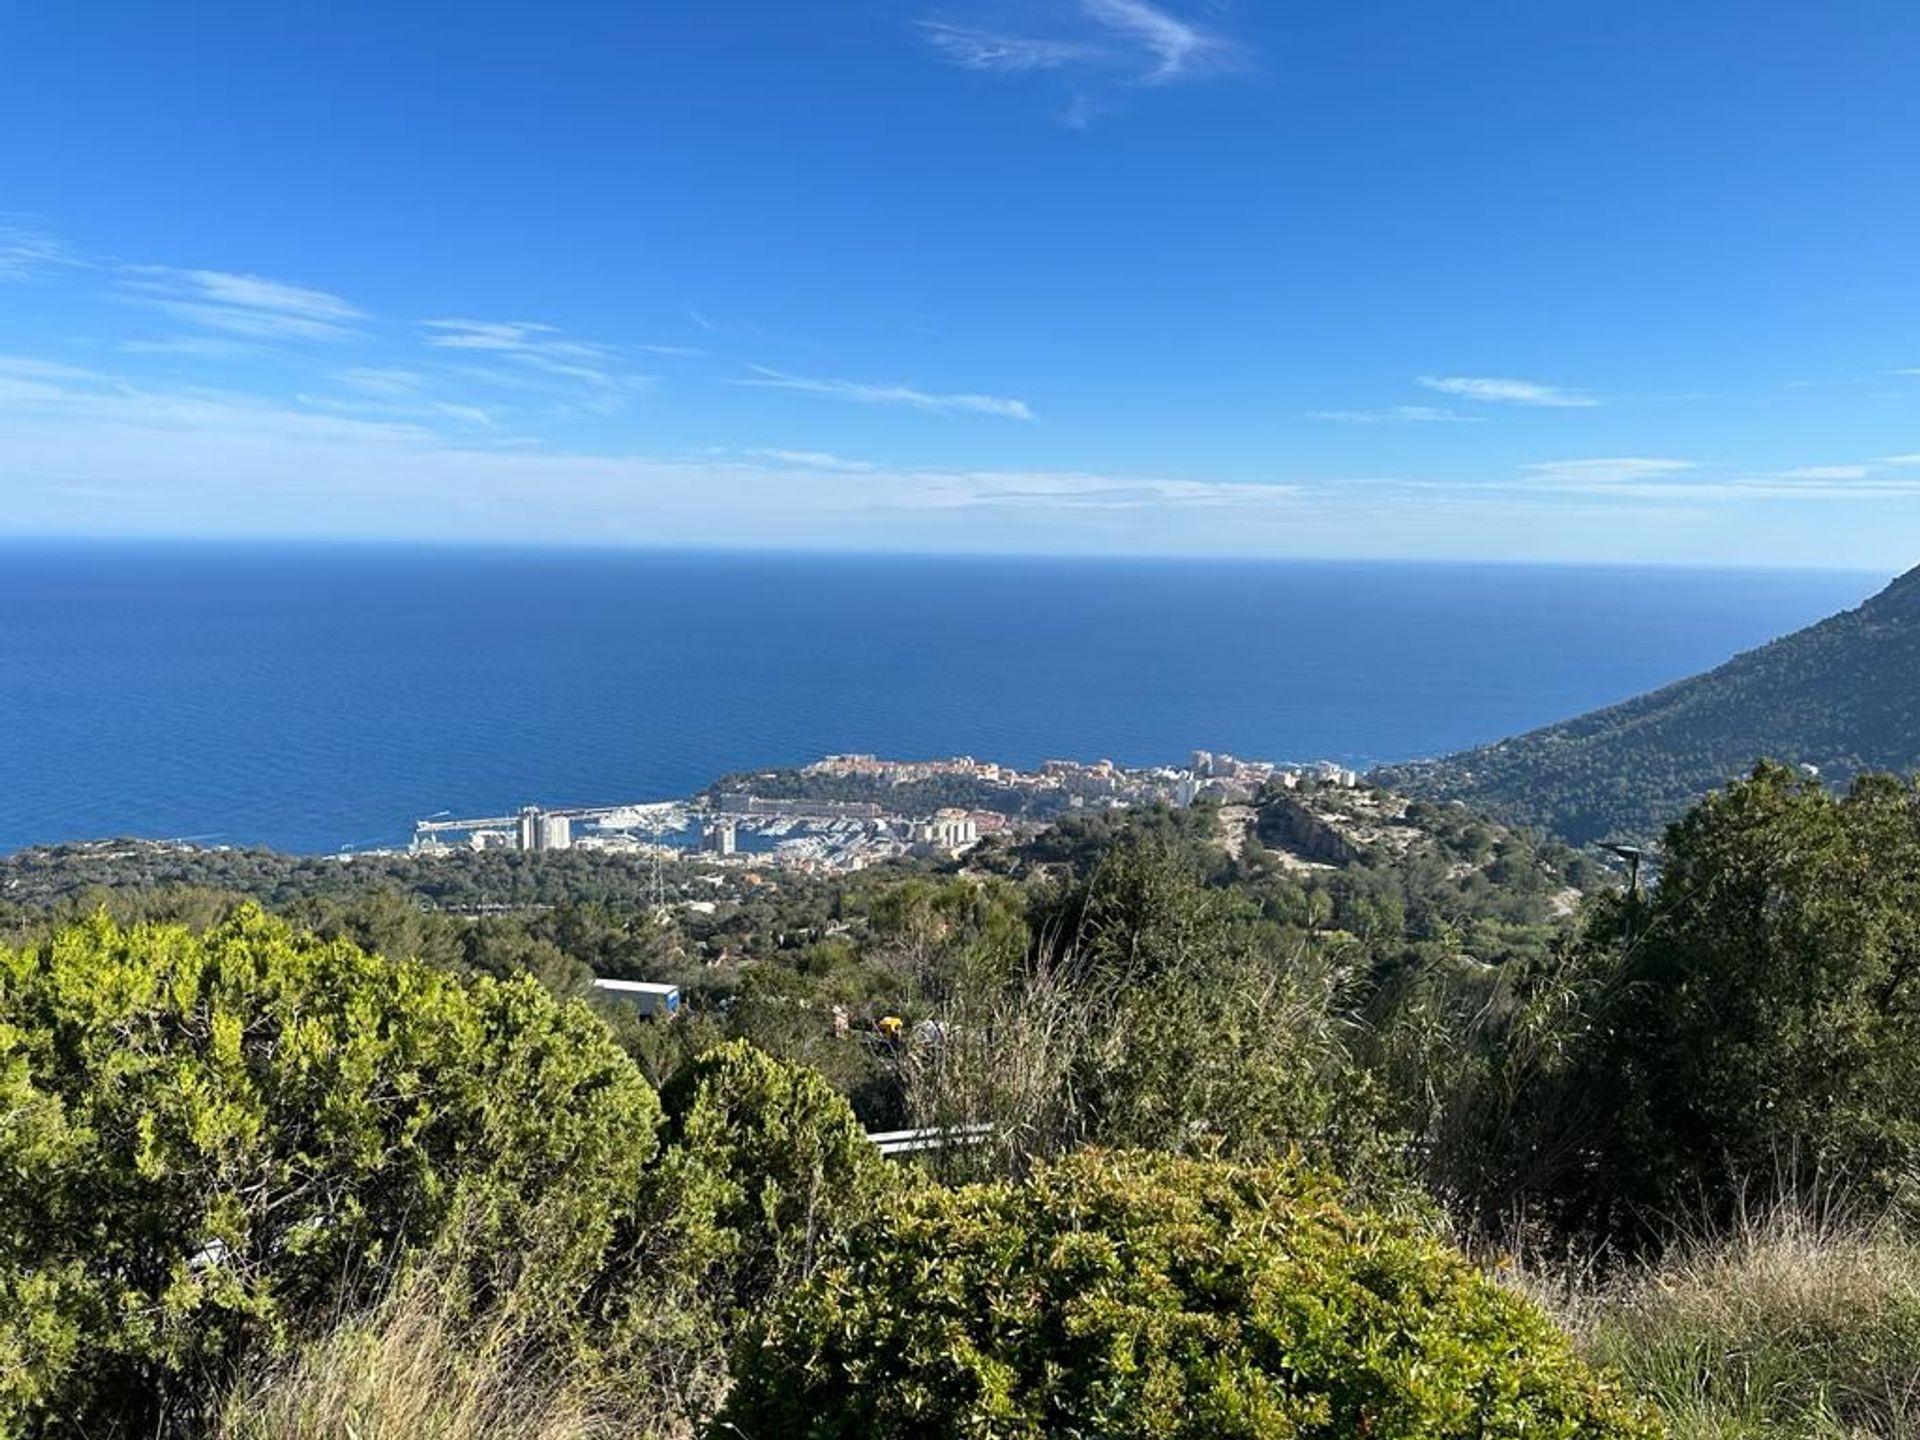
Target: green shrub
(1165,1298)
(764,1163)
(216,1142)
(762,1168)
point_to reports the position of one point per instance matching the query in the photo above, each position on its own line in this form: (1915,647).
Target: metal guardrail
(912,1142)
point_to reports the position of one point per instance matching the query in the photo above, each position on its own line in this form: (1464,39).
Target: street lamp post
(1633,855)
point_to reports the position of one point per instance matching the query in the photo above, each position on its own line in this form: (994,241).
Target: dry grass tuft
(1793,1325)
(411,1370)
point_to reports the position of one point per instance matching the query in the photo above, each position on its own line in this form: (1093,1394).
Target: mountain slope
(1842,695)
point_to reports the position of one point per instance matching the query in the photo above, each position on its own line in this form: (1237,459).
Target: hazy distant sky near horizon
(1635,281)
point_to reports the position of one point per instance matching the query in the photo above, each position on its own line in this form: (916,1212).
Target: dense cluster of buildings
(1098,782)
(845,834)
(736,803)
(909,772)
(1205,766)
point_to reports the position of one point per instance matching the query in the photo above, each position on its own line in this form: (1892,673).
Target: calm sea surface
(315,698)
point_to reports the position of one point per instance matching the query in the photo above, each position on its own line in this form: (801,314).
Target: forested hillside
(1842,696)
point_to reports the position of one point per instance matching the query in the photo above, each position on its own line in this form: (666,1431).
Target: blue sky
(1598,281)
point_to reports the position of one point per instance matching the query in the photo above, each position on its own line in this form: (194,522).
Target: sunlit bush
(1160,1299)
(218,1141)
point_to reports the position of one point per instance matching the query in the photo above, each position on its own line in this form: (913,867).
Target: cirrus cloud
(1497,391)
(1133,42)
(892,393)
(1394,415)
(26,251)
(251,306)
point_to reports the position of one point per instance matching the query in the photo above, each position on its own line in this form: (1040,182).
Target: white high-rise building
(537,830)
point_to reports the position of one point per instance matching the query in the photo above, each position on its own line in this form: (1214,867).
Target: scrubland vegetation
(1408,1145)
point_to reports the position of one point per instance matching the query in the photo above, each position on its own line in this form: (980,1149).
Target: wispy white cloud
(1745,488)
(28,382)
(1901,460)
(467,394)
(889,394)
(543,349)
(510,335)
(252,292)
(1493,390)
(1646,478)
(1608,470)
(1003,54)
(466,414)
(83,399)
(1824,472)
(1395,415)
(527,343)
(396,392)
(1074,490)
(1179,48)
(1845,382)
(200,347)
(812,460)
(245,305)
(35,368)
(27,251)
(1121,38)
(382,382)
(422,408)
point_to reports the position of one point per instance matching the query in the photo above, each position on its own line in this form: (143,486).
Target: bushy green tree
(1764,1021)
(1156,1012)
(213,1142)
(1749,1026)
(1214,1035)
(1152,1298)
(930,940)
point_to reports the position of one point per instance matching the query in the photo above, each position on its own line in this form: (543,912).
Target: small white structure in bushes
(648,999)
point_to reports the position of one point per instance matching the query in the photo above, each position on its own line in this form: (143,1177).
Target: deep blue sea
(314,698)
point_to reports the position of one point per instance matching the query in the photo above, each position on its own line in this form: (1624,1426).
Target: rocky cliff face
(1286,824)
